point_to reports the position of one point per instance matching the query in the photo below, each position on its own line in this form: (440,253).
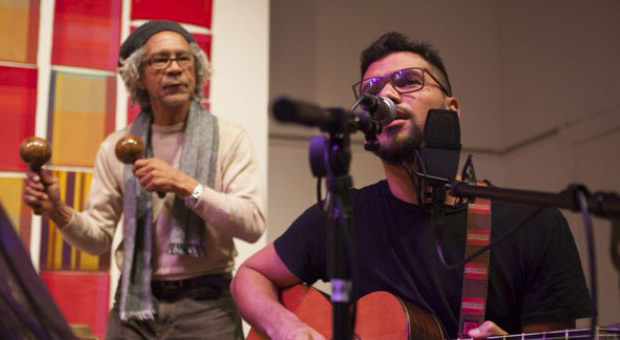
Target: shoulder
(233,138)
(540,229)
(107,147)
(371,190)
(512,213)
(372,194)
(230,131)
(109,143)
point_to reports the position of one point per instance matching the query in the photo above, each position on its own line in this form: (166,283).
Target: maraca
(129,149)
(35,152)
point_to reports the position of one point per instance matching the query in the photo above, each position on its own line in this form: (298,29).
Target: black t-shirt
(535,275)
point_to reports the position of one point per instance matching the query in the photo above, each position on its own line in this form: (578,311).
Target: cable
(587,224)
(485,248)
(319,195)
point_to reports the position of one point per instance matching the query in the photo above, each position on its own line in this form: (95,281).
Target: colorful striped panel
(19,30)
(195,12)
(81,113)
(18,97)
(13,209)
(57,254)
(87,33)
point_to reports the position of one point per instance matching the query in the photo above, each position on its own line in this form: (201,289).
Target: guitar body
(380,315)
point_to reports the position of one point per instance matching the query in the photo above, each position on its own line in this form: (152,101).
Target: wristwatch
(192,199)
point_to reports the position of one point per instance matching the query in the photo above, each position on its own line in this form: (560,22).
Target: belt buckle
(172,284)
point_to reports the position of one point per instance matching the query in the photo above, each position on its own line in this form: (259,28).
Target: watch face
(191,200)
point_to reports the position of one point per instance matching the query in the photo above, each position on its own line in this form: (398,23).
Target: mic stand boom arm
(601,204)
(575,197)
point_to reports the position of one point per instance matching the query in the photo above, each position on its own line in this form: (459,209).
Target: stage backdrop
(58,80)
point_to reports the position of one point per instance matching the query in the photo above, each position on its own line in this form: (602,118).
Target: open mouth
(400,115)
(399,119)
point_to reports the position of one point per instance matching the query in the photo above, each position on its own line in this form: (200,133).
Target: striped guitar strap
(476,272)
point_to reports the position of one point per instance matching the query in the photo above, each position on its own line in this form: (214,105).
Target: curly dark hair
(397,42)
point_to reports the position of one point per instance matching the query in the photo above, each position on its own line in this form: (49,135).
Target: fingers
(35,199)
(47,178)
(486,329)
(40,191)
(154,174)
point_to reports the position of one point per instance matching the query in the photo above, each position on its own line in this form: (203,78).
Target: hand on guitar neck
(486,329)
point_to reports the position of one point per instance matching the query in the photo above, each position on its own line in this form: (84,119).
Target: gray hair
(131,68)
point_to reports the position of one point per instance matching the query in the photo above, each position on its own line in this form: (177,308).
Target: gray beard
(401,150)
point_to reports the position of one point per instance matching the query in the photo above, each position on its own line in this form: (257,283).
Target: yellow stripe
(62,181)
(87,261)
(50,237)
(73,263)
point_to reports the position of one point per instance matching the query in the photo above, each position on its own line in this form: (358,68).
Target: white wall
(537,83)
(239,90)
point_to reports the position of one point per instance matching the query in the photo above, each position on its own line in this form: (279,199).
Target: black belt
(206,286)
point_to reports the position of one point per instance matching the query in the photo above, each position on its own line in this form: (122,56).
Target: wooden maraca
(129,149)
(35,152)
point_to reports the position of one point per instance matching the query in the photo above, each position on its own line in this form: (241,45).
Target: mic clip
(468,175)
(378,112)
(371,143)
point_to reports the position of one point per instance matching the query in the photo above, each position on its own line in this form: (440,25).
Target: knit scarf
(198,159)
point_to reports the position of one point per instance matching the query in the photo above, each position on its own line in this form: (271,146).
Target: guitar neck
(601,333)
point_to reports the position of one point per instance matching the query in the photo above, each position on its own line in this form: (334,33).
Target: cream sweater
(235,207)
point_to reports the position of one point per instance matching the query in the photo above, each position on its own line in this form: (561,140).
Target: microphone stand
(331,159)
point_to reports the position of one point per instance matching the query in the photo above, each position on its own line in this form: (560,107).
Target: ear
(453,104)
(141,83)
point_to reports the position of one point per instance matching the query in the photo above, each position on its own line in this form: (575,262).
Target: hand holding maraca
(153,174)
(41,192)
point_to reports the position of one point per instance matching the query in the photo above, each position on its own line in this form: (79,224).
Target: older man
(177,252)
(535,278)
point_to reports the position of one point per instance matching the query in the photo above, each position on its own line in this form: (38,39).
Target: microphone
(381,109)
(292,111)
(334,120)
(442,145)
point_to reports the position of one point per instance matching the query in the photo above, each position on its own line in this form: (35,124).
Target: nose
(174,66)
(390,92)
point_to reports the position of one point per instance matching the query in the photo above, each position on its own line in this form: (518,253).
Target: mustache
(403,113)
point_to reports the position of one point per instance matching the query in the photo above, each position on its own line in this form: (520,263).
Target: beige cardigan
(234,208)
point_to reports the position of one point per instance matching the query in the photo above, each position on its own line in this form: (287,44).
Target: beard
(401,146)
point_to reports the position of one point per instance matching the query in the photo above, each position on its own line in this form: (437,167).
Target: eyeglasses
(404,81)
(163,61)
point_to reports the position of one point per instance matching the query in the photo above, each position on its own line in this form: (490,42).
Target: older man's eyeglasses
(163,61)
(404,81)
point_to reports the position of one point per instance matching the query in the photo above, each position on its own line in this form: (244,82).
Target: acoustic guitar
(381,315)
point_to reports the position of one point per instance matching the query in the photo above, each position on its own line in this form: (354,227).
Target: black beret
(142,34)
